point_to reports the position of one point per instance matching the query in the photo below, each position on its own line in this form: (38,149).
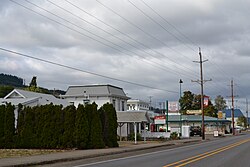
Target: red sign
(160,117)
(206,100)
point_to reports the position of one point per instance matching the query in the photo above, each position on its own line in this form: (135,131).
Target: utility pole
(201,82)
(150,100)
(247,111)
(232,91)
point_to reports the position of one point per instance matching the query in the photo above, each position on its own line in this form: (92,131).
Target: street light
(180,82)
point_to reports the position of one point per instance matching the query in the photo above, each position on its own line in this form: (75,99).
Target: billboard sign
(194,112)
(160,119)
(173,106)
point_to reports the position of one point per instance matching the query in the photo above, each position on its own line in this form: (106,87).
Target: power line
(186,37)
(143,59)
(84,71)
(181,66)
(153,20)
(140,29)
(133,39)
(173,26)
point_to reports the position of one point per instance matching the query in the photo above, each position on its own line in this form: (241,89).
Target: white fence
(149,134)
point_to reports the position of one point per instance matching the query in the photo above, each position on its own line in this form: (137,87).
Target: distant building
(136,104)
(237,114)
(100,94)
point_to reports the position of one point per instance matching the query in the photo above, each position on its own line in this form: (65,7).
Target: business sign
(206,101)
(193,112)
(160,119)
(173,106)
(220,115)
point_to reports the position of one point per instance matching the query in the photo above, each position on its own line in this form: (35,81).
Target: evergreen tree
(109,125)
(82,128)
(9,126)
(2,116)
(26,133)
(96,135)
(69,126)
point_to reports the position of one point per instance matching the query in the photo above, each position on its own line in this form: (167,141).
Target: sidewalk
(83,154)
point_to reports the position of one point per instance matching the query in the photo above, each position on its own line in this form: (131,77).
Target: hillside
(9,82)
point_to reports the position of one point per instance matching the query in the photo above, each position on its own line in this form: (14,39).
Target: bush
(131,137)
(174,136)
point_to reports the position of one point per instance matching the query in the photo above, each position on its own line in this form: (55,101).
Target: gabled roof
(132,116)
(17,96)
(95,90)
(237,113)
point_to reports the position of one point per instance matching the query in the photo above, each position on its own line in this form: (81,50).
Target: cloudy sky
(143,46)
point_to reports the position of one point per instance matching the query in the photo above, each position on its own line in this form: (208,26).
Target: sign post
(167,115)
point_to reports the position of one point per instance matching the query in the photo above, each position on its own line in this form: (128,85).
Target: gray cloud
(220,28)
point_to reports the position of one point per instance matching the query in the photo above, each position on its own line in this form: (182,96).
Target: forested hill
(11,80)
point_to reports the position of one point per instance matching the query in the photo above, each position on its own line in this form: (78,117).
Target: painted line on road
(151,153)
(135,156)
(206,154)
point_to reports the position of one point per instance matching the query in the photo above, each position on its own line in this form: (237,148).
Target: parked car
(195,130)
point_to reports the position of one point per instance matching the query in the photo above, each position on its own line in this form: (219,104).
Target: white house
(100,94)
(28,98)
(136,104)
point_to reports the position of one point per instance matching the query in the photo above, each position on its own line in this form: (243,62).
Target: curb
(131,149)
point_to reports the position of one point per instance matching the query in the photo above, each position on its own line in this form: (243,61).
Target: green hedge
(53,127)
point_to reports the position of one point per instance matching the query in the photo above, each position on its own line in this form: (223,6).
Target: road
(230,151)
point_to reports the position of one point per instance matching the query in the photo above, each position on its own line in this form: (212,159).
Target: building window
(71,103)
(123,106)
(86,101)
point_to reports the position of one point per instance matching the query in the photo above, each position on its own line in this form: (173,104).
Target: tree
(190,101)
(109,125)
(33,82)
(69,126)
(33,86)
(242,121)
(220,103)
(2,116)
(82,128)
(4,90)
(186,101)
(9,126)
(96,135)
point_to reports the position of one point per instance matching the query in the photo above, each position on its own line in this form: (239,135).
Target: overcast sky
(148,42)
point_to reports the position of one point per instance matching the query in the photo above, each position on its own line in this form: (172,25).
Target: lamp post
(180,82)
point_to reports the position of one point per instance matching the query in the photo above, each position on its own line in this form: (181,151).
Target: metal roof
(237,113)
(24,97)
(194,118)
(95,90)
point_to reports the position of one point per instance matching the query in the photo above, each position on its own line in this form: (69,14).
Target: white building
(100,94)
(136,104)
(28,98)
(31,99)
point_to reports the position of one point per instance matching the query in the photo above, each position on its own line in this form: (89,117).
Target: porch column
(135,131)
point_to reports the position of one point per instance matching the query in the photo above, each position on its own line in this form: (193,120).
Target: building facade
(100,94)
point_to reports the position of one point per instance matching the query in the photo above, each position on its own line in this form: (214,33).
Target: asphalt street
(230,152)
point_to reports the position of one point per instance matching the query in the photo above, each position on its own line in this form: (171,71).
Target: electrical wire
(159,66)
(84,71)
